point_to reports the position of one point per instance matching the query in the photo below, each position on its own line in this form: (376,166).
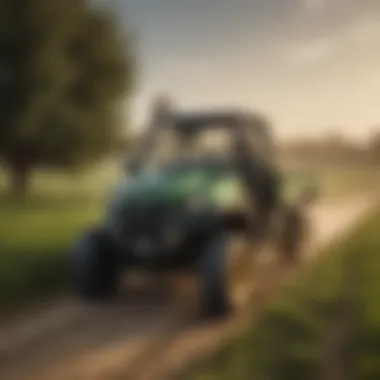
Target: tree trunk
(20,176)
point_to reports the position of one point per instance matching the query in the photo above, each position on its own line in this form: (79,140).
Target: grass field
(36,234)
(325,327)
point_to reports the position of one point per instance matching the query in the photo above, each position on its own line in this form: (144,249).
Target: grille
(144,220)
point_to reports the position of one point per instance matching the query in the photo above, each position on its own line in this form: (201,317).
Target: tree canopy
(65,72)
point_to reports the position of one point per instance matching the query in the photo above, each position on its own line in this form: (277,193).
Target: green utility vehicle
(201,194)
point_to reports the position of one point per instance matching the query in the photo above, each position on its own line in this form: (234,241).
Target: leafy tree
(65,72)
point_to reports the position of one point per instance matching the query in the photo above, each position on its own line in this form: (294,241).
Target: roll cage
(249,133)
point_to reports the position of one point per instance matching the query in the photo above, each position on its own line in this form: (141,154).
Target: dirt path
(132,339)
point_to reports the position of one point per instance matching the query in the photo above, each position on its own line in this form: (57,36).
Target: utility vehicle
(200,194)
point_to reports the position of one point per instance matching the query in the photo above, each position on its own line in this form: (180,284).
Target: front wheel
(225,275)
(95,266)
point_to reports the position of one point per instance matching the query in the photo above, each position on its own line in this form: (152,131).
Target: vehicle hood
(165,187)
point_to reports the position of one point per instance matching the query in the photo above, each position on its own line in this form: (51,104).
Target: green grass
(331,318)
(36,234)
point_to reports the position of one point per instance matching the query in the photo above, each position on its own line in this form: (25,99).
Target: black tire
(213,277)
(95,266)
(294,233)
(216,280)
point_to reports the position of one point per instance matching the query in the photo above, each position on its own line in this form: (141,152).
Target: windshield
(172,152)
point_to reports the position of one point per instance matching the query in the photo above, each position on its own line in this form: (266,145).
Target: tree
(65,72)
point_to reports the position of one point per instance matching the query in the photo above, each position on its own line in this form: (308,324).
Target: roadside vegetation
(326,326)
(37,232)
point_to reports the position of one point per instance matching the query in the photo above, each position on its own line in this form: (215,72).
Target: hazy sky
(309,64)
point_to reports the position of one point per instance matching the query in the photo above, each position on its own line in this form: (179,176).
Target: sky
(311,65)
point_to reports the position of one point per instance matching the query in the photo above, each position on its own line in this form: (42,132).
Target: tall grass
(36,233)
(325,327)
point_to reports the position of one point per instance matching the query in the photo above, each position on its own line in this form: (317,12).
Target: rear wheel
(225,271)
(95,266)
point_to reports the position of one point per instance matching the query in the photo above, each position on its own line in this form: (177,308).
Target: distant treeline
(336,149)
